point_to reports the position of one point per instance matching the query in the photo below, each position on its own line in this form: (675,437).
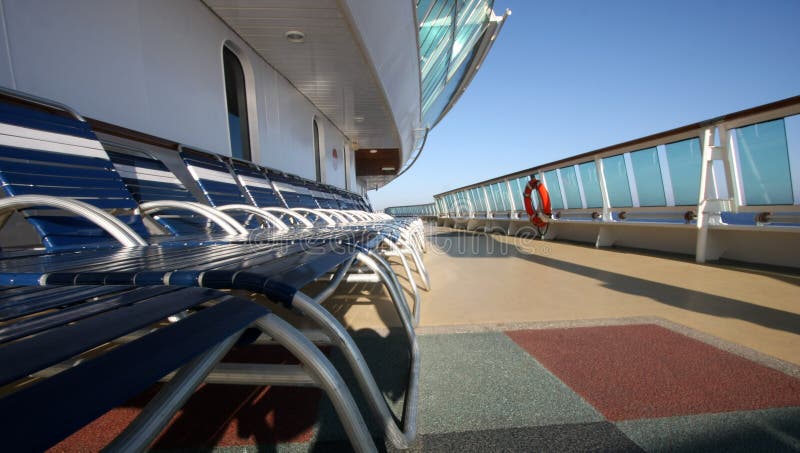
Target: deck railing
(417,210)
(736,172)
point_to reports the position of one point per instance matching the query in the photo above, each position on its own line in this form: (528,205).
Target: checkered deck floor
(612,388)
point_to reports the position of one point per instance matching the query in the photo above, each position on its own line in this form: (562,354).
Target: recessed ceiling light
(295,36)
(373,151)
(387,168)
(358,119)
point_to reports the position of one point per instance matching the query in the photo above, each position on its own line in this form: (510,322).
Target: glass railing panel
(684,159)
(591,185)
(764,163)
(492,198)
(554,188)
(442,206)
(647,174)
(463,205)
(517,189)
(619,191)
(478,199)
(571,190)
(451,204)
(500,194)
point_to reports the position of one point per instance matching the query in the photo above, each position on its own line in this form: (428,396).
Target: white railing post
(601,178)
(488,205)
(732,170)
(710,206)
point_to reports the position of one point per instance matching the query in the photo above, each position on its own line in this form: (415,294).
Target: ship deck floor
(531,345)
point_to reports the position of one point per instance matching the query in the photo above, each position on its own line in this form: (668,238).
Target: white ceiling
(329,67)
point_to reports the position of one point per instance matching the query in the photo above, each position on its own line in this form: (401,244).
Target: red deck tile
(647,371)
(218,415)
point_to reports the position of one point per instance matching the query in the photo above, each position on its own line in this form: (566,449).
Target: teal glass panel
(684,161)
(591,185)
(442,206)
(571,189)
(434,27)
(449,31)
(554,188)
(517,189)
(451,204)
(422,9)
(619,192)
(463,206)
(764,160)
(492,199)
(470,24)
(435,106)
(478,199)
(501,190)
(647,173)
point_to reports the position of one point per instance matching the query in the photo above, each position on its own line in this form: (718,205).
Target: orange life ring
(541,216)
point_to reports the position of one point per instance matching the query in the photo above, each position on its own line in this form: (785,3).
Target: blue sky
(567,77)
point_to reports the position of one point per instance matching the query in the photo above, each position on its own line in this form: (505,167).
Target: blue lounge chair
(54,335)
(79,252)
(222,190)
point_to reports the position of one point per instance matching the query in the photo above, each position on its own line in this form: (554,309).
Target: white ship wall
(156,67)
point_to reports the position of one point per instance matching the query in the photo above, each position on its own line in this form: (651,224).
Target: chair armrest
(112,225)
(315,212)
(226,222)
(288,212)
(258,212)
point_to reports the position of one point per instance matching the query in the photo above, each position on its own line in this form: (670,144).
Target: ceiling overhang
(329,67)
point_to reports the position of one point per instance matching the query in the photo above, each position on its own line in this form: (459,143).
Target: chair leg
(384,270)
(421,270)
(155,416)
(399,437)
(325,374)
(396,250)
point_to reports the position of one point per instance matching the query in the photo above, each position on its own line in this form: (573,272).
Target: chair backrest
(291,188)
(44,151)
(322,195)
(213,176)
(256,184)
(149,179)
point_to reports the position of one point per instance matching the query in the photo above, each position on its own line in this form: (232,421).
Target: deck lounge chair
(59,372)
(216,178)
(39,142)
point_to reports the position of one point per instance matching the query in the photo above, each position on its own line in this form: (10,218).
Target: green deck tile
(485,381)
(773,430)
(602,436)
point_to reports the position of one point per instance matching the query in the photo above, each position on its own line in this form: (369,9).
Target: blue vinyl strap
(80,394)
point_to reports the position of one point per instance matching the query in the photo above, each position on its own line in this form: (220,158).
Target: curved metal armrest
(258,212)
(226,222)
(283,211)
(112,225)
(338,215)
(361,215)
(316,212)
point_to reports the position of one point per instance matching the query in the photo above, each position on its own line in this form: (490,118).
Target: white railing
(417,210)
(737,172)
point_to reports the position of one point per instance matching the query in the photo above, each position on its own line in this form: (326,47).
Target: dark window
(237,105)
(317,162)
